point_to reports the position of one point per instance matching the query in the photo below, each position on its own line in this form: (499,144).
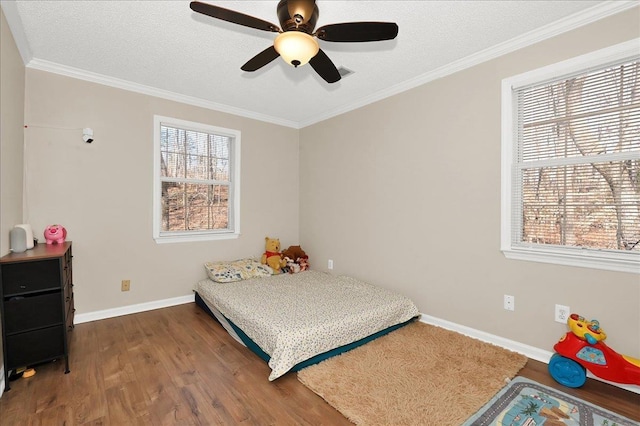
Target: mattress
(221,319)
(294,317)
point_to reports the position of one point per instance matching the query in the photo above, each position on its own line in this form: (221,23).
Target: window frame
(571,256)
(234,188)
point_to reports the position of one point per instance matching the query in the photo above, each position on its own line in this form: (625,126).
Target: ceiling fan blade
(358,31)
(261,59)
(325,67)
(233,16)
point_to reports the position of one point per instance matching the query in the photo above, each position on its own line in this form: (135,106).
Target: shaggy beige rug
(417,375)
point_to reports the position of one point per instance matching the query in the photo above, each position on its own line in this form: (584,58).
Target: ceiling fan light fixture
(296,48)
(297,41)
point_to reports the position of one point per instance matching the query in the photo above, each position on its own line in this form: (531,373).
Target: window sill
(584,258)
(189,238)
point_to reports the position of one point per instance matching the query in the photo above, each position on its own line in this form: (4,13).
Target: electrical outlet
(126,285)
(509,302)
(562,313)
(330,264)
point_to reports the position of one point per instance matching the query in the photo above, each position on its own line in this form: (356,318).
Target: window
(571,162)
(196,192)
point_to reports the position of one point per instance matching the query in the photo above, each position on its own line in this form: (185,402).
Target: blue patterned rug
(524,402)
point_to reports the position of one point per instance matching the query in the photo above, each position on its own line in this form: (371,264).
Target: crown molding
(564,25)
(601,11)
(43,65)
(10,9)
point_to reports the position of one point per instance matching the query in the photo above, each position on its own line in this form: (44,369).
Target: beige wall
(405,193)
(11,139)
(102,192)
(11,134)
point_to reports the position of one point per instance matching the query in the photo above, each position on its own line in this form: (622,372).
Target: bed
(294,320)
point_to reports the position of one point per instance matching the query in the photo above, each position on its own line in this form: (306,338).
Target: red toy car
(583,348)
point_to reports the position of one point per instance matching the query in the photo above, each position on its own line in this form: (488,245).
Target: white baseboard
(132,309)
(530,351)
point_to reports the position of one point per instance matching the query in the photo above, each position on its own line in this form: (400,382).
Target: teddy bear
(295,253)
(272,256)
(297,259)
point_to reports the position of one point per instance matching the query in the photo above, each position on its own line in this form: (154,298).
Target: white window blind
(575,165)
(196,181)
(578,167)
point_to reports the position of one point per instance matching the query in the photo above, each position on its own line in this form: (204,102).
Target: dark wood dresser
(36,295)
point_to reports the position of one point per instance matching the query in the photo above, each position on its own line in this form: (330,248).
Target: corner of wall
(12,84)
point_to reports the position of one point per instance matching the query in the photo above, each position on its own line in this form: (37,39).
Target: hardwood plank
(91,405)
(179,366)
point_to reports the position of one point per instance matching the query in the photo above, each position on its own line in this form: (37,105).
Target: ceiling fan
(296,42)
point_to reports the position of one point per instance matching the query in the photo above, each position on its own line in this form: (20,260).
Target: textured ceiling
(164,46)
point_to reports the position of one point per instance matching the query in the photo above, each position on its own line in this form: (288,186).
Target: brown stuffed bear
(294,253)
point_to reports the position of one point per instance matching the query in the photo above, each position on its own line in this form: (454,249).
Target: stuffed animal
(303,263)
(55,234)
(295,253)
(297,259)
(272,256)
(292,267)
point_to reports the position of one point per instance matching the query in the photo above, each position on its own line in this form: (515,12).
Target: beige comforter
(294,317)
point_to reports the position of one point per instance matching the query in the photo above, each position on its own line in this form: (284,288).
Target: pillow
(237,270)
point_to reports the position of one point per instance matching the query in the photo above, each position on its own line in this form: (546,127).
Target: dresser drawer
(25,277)
(26,349)
(30,312)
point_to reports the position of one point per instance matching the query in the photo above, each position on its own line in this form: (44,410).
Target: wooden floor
(177,366)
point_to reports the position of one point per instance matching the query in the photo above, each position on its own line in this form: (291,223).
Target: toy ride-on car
(583,348)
